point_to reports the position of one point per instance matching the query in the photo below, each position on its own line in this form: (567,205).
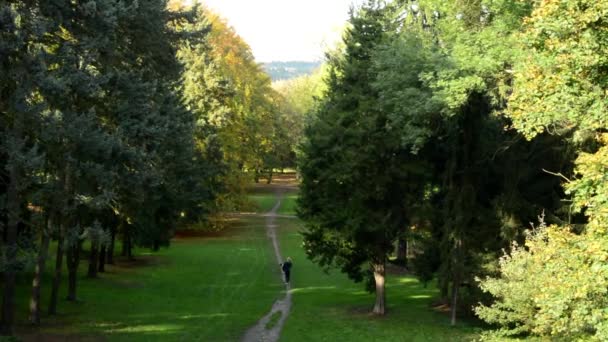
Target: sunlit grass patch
(159,328)
(288,204)
(263,203)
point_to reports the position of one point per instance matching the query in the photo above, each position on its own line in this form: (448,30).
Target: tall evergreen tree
(21,30)
(358,179)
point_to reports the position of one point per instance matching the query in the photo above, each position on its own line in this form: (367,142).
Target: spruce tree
(355,171)
(21,62)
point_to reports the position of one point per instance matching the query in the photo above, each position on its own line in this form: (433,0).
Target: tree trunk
(156,246)
(269,180)
(101,267)
(454,301)
(379,273)
(57,277)
(14,214)
(73,261)
(402,251)
(125,241)
(65,224)
(456,269)
(93,260)
(129,247)
(42,255)
(111,247)
(4,224)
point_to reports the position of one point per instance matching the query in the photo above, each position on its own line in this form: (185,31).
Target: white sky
(285,30)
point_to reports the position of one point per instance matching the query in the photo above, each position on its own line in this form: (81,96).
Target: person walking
(286,268)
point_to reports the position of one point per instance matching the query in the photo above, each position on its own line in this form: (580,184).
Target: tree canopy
(480,116)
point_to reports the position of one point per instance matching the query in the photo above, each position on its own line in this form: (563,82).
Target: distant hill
(288,70)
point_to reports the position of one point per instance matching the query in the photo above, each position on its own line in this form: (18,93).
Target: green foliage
(408,101)
(555,285)
(560,85)
(339,232)
(591,186)
(422,97)
(357,175)
(100,129)
(427,261)
(559,88)
(441,79)
(249,128)
(298,100)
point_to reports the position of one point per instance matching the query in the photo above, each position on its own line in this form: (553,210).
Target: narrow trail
(259,332)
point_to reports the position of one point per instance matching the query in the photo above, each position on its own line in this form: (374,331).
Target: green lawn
(263,202)
(209,289)
(333,308)
(213,289)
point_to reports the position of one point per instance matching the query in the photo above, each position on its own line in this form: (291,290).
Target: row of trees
(97,140)
(119,119)
(454,125)
(254,134)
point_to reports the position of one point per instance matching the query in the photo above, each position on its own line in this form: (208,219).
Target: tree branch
(558,174)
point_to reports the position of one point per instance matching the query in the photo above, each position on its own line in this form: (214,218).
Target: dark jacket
(286,266)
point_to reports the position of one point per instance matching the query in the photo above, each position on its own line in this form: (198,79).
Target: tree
(458,85)
(554,285)
(20,109)
(298,100)
(99,134)
(557,90)
(424,93)
(246,132)
(355,170)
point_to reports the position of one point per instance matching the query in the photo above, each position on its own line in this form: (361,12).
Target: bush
(554,286)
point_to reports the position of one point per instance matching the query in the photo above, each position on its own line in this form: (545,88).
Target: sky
(286,30)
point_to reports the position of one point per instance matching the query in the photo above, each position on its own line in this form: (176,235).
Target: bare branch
(558,174)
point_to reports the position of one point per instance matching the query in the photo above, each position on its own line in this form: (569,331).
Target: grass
(288,204)
(210,289)
(330,307)
(264,202)
(215,288)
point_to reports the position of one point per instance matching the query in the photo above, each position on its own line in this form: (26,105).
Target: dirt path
(281,307)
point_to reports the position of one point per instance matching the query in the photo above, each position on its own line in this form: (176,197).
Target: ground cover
(262,199)
(288,204)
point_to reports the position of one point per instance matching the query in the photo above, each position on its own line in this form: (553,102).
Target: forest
(463,142)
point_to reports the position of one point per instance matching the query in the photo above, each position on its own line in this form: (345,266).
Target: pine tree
(21,30)
(355,170)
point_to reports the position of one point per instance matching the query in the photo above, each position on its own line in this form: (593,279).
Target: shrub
(556,285)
